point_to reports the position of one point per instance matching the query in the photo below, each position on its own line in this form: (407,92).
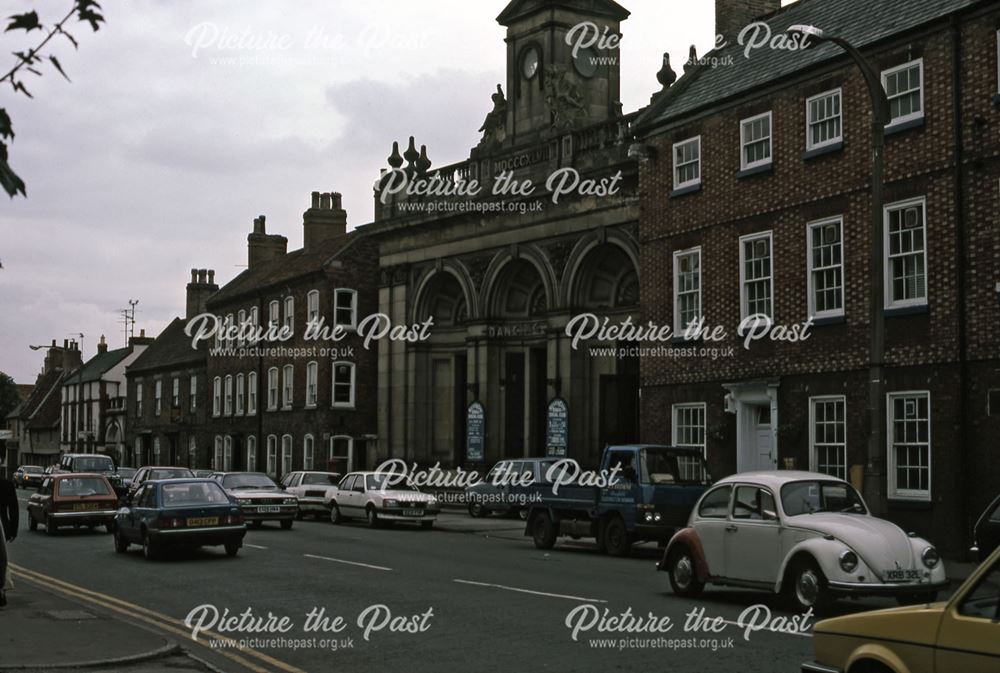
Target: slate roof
(43,399)
(860,22)
(171,350)
(94,368)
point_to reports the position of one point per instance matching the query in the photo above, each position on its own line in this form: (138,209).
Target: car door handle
(732,529)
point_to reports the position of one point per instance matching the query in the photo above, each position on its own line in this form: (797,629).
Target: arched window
(312,306)
(192,453)
(251,393)
(287,382)
(251,454)
(307,452)
(240,395)
(156,450)
(288,326)
(272,388)
(217,457)
(227,454)
(229,395)
(312,378)
(272,456)
(216,396)
(286,454)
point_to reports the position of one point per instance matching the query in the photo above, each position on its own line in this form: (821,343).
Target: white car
(366,495)
(807,535)
(312,489)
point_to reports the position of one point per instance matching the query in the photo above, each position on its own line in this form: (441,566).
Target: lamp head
(808,31)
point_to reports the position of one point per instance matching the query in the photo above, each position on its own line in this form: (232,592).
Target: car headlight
(390,503)
(291,501)
(930,557)
(243,501)
(848,561)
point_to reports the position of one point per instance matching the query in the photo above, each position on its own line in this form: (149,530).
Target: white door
(764,443)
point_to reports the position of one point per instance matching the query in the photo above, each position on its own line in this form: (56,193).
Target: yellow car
(960,636)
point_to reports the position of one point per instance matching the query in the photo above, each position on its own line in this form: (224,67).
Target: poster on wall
(475,432)
(556,429)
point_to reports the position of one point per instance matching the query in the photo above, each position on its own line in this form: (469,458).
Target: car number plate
(84,506)
(204,521)
(413,512)
(270,509)
(902,575)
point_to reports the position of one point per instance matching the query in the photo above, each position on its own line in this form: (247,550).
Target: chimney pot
(315,199)
(65,343)
(337,200)
(53,343)
(194,275)
(324,201)
(211,276)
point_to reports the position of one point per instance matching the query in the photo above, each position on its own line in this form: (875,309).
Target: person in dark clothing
(9,516)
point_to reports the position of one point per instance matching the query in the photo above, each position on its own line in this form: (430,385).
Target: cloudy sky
(165,146)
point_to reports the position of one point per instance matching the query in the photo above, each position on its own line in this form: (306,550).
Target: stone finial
(423,163)
(666,77)
(395,160)
(692,59)
(411,155)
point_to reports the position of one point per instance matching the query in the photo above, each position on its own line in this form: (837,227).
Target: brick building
(168,393)
(299,403)
(756,199)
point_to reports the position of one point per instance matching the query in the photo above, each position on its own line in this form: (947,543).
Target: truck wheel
(683,574)
(543,531)
(476,510)
(616,540)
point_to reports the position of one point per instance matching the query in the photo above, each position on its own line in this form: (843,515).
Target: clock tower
(563,66)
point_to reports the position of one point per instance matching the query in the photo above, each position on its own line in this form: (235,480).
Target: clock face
(585,62)
(529,63)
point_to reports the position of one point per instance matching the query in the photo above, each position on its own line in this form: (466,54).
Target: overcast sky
(157,156)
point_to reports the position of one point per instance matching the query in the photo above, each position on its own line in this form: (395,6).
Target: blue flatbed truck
(648,494)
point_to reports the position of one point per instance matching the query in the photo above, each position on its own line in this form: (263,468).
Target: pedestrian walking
(9,516)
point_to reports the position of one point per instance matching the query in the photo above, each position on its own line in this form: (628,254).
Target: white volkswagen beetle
(807,535)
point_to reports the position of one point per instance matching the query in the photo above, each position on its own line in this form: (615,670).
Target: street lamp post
(874,464)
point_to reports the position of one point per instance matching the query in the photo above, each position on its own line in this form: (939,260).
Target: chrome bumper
(196,531)
(85,514)
(872,588)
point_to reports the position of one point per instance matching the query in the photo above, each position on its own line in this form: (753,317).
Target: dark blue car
(179,513)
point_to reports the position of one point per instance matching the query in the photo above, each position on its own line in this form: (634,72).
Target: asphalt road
(478,601)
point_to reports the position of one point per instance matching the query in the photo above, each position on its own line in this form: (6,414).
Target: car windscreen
(668,466)
(192,495)
(317,479)
(380,482)
(178,473)
(808,497)
(127,471)
(81,487)
(248,480)
(31,469)
(93,464)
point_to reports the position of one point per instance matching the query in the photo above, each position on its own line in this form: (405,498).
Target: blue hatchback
(179,513)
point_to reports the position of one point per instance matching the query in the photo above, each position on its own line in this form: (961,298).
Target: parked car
(499,491)
(73,499)
(959,636)
(202,474)
(806,535)
(648,493)
(127,473)
(312,490)
(986,535)
(150,472)
(367,495)
(93,462)
(260,498)
(28,475)
(180,513)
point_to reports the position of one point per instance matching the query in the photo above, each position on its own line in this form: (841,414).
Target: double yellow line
(253,660)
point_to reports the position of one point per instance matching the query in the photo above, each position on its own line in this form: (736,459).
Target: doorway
(513,423)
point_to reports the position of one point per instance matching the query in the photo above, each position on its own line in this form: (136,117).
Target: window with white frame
(240,394)
(909,440)
(289,323)
(345,308)
(228,327)
(687,288)
(156,450)
(287,390)
(218,333)
(228,400)
(193,392)
(312,306)
(158,397)
(687,163)
(272,456)
(756,279)
(755,141)
(216,396)
(688,423)
(824,120)
(904,87)
(252,393)
(828,435)
(175,398)
(251,454)
(343,384)
(274,314)
(138,400)
(312,380)
(286,454)
(217,456)
(341,452)
(825,278)
(241,323)
(254,323)
(192,452)
(308,450)
(227,453)
(906,253)
(272,388)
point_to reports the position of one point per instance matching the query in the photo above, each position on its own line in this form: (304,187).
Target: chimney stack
(102,346)
(141,340)
(201,287)
(325,220)
(263,247)
(732,16)
(65,357)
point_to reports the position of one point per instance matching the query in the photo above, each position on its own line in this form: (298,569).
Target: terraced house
(296,402)
(756,198)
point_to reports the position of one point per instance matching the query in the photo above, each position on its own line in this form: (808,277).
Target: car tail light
(172,522)
(233,519)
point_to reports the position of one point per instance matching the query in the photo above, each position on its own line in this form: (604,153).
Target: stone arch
(446,283)
(509,265)
(616,267)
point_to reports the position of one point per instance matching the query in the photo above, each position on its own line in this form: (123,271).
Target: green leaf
(26,22)
(6,129)
(58,67)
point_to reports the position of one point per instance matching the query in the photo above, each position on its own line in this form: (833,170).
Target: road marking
(253,546)
(529,591)
(350,563)
(157,619)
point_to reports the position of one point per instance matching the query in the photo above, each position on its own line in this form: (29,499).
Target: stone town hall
(501,286)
